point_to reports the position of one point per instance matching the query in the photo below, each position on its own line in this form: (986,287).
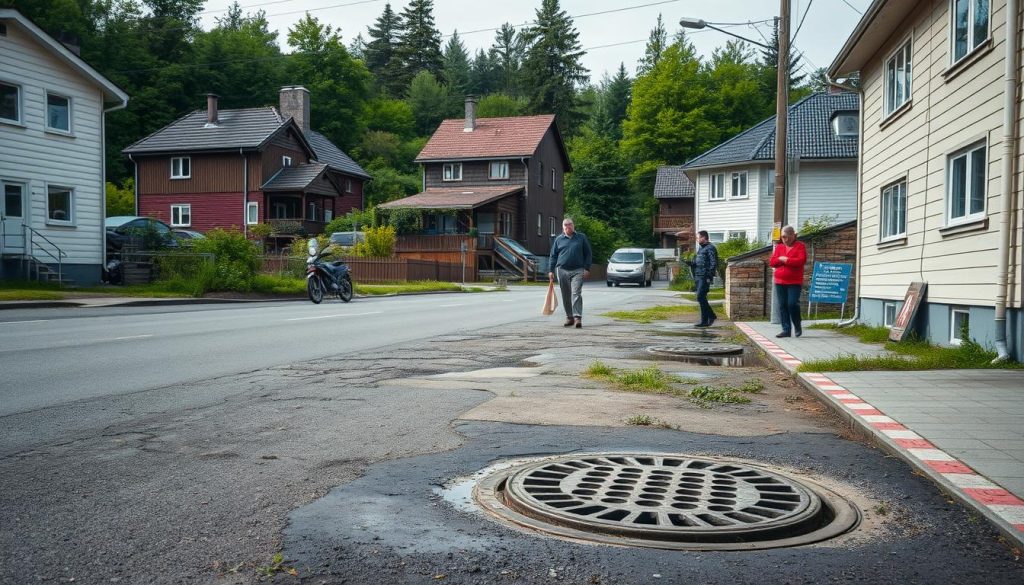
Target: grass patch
(30,295)
(864,333)
(704,395)
(752,386)
(715,294)
(643,420)
(648,380)
(650,314)
(600,370)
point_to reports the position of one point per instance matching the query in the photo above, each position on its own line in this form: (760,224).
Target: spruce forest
(380,96)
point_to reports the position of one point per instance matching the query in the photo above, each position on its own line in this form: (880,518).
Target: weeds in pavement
(912,355)
(648,380)
(704,395)
(643,420)
(864,333)
(276,566)
(752,386)
(650,314)
(600,370)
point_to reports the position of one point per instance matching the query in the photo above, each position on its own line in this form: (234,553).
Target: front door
(12,237)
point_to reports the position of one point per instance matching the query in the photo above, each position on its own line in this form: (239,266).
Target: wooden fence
(367,270)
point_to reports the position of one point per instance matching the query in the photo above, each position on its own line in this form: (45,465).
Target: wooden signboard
(905,318)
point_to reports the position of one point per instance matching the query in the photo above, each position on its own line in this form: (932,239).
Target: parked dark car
(187,237)
(150,233)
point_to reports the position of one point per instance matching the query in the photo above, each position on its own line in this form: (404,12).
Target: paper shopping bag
(550,301)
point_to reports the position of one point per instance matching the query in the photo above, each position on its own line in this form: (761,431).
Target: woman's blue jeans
(789,306)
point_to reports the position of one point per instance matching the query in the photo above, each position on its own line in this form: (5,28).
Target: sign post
(462,249)
(829,284)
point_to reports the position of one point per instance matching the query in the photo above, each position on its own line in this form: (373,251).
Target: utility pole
(781,119)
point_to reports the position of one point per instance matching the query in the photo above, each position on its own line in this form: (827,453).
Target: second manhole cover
(695,348)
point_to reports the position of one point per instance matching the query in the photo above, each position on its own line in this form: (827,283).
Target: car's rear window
(627,257)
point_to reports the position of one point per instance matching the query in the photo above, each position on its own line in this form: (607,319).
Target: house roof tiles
(295,178)
(492,137)
(465,198)
(672,183)
(809,135)
(327,152)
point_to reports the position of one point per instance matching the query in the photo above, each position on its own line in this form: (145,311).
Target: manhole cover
(666,501)
(700,349)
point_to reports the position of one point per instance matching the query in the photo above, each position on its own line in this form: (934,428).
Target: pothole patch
(666,501)
(695,349)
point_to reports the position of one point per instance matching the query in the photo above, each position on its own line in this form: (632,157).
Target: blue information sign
(830,282)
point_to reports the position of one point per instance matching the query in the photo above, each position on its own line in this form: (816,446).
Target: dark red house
(237,168)
(673,222)
(493,184)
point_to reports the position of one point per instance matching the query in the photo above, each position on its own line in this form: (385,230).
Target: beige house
(940,191)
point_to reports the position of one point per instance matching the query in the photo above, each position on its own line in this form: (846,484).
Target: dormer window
(451,172)
(845,124)
(286,161)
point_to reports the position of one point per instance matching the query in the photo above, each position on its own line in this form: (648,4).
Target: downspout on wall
(103,178)
(1008,193)
(860,179)
(135,187)
(245,193)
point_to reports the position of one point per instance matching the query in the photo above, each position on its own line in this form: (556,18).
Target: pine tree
(419,45)
(508,51)
(380,53)
(770,63)
(456,72)
(551,67)
(612,104)
(656,44)
(357,48)
(483,74)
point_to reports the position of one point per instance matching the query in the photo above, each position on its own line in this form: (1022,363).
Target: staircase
(512,256)
(41,259)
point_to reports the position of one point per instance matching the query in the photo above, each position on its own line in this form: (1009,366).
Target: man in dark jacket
(704,266)
(570,258)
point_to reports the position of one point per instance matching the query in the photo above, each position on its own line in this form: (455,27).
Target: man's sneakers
(568,322)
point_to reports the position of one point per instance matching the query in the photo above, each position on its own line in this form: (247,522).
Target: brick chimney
(295,104)
(470,114)
(211,109)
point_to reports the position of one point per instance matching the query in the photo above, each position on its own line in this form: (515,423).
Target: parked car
(186,237)
(347,239)
(151,233)
(631,265)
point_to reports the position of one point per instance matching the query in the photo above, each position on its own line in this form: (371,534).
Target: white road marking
(130,337)
(332,316)
(17,322)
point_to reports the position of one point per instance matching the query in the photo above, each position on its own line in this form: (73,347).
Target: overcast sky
(617,36)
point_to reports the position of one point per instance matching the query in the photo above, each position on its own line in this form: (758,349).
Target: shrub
(236,259)
(352,221)
(380,243)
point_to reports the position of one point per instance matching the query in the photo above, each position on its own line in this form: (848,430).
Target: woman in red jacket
(788,259)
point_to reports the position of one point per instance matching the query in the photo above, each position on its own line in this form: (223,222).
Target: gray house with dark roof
(238,168)
(735,181)
(673,223)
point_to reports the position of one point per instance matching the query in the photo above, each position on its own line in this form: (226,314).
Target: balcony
(673,223)
(296,227)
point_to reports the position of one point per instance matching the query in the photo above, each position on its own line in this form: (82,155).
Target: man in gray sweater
(570,258)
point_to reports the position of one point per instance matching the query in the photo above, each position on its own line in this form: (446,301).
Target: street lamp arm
(732,34)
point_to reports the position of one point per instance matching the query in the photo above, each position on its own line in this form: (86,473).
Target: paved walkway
(962,428)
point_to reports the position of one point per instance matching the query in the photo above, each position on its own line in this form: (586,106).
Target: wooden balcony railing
(673,222)
(285,227)
(439,243)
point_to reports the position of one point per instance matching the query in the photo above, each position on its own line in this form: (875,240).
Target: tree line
(380,97)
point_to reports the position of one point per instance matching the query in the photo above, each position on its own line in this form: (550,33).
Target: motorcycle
(326,277)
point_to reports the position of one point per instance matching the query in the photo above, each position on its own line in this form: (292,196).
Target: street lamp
(781,105)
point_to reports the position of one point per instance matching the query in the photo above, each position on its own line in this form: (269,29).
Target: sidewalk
(962,428)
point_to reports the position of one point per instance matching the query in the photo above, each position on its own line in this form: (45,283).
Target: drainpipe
(103,182)
(245,193)
(1009,154)
(135,187)
(860,208)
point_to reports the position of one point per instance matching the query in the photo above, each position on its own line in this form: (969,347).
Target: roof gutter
(1008,194)
(860,206)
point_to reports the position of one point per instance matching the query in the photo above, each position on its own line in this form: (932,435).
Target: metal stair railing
(516,260)
(30,235)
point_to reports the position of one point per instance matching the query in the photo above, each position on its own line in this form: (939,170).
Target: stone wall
(748,278)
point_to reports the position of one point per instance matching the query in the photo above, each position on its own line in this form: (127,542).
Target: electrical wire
(802,18)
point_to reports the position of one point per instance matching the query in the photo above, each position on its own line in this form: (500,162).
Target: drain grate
(695,349)
(666,501)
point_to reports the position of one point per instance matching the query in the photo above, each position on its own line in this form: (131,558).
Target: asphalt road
(55,356)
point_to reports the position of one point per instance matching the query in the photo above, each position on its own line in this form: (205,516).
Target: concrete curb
(130,302)
(997,505)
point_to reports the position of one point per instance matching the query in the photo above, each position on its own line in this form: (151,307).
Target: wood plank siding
(211,173)
(951,107)
(208,210)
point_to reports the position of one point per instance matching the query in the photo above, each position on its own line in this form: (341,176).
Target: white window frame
(553,223)
(540,224)
(954,329)
(286,161)
(736,180)
(889,313)
(252,212)
(838,128)
(50,190)
(972,43)
(348,185)
(448,172)
(968,155)
(497,170)
(716,187)
(46,118)
(17,104)
(716,237)
(897,191)
(737,234)
(179,211)
(178,173)
(898,88)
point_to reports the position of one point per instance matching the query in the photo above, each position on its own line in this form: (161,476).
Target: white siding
(947,112)
(826,189)
(31,155)
(731,214)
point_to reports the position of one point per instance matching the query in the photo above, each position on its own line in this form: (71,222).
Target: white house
(735,180)
(940,191)
(52,110)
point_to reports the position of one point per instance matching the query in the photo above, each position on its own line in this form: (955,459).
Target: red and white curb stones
(986,494)
(999,501)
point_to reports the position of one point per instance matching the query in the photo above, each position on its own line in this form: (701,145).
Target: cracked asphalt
(339,465)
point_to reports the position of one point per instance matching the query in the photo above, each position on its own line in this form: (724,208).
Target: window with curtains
(897,79)
(893,222)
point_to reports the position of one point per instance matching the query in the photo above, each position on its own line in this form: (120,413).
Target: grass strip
(650,314)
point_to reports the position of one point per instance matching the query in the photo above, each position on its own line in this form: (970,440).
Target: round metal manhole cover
(666,501)
(698,349)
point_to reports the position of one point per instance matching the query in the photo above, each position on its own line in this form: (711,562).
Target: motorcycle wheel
(315,289)
(345,289)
